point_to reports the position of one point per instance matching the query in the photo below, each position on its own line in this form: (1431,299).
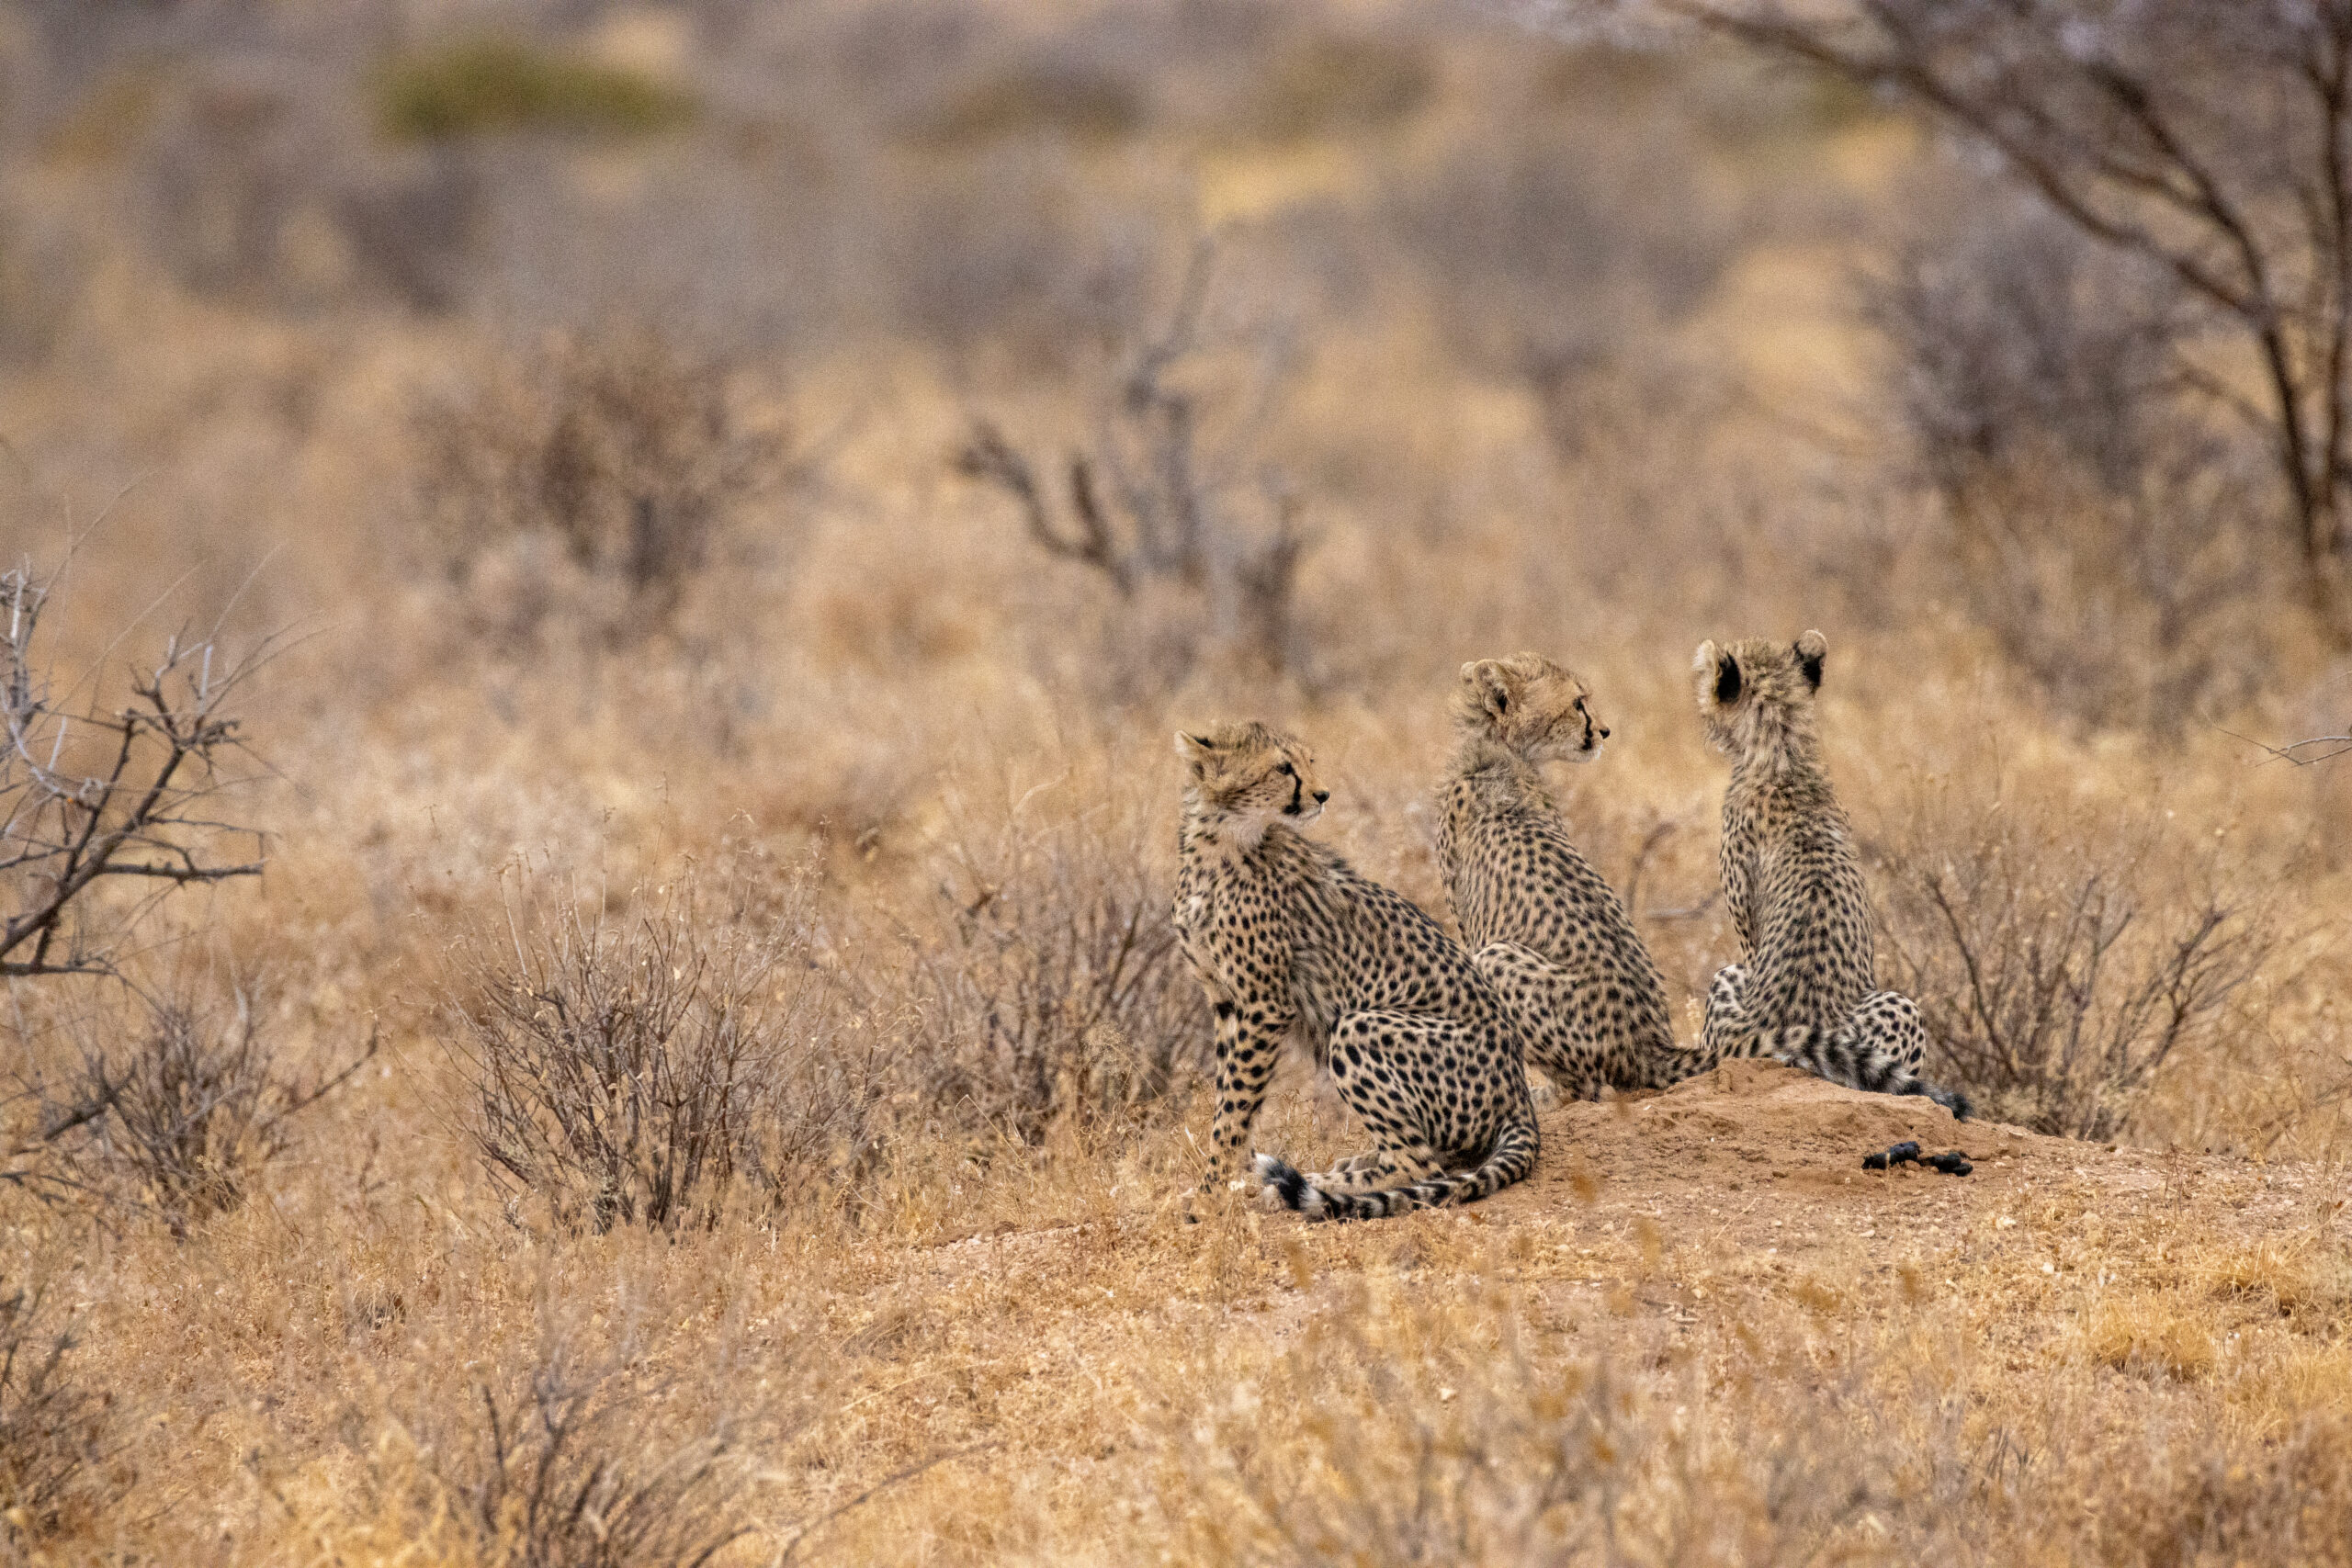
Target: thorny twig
(2293,750)
(89,794)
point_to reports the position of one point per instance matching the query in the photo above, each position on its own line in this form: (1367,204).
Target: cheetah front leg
(1247,1041)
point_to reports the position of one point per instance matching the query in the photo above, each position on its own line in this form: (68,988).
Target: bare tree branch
(2209,139)
(88,795)
(1153,499)
(2302,753)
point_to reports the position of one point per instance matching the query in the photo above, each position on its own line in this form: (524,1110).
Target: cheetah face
(1754,685)
(1536,707)
(1253,775)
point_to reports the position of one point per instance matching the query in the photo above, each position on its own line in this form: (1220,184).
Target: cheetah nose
(1604,732)
(1321,796)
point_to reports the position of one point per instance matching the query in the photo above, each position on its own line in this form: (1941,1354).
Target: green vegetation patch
(485,86)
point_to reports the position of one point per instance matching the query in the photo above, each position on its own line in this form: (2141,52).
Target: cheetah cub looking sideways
(1801,991)
(1289,942)
(1548,934)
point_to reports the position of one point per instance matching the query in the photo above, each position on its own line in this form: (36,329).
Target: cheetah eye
(1287,769)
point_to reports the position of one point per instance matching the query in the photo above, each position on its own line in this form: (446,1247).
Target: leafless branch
(1153,498)
(89,794)
(2302,753)
(2209,140)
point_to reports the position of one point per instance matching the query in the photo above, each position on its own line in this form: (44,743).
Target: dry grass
(632,1068)
(760,889)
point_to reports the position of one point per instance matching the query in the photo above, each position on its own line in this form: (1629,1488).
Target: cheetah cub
(1549,934)
(1290,941)
(1802,989)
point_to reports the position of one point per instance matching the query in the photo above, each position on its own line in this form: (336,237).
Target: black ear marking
(1810,663)
(1726,680)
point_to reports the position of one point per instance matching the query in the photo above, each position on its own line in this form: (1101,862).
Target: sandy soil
(1651,1223)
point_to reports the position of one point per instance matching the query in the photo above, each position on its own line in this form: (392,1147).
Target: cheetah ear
(1487,686)
(1195,750)
(1811,649)
(1702,674)
(1727,681)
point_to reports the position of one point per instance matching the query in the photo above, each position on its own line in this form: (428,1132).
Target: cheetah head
(1530,704)
(1252,777)
(1754,686)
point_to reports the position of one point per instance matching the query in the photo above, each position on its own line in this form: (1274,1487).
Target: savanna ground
(741,497)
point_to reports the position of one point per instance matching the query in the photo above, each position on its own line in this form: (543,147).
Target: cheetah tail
(1835,1054)
(1512,1158)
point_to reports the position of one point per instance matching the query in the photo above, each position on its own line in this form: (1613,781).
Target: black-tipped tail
(1842,1057)
(1951,1100)
(1512,1160)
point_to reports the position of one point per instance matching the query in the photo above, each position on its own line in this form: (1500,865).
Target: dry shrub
(1047,981)
(1167,503)
(591,480)
(245,176)
(1392,1437)
(196,1106)
(1546,262)
(1325,84)
(563,1479)
(1051,96)
(574,1465)
(2062,955)
(59,1445)
(2113,538)
(634,1070)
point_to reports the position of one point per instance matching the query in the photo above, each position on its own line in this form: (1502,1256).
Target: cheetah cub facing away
(1549,933)
(1290,941)
(1802,989)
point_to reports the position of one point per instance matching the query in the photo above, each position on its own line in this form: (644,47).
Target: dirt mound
(1745,1122)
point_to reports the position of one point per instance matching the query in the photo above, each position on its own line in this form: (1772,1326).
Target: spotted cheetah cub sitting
(1802,989)
(1548,932)
(1289,942)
